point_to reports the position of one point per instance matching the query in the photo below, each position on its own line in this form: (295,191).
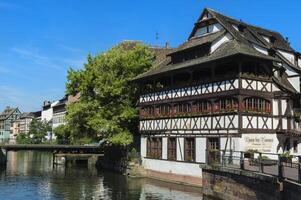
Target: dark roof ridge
(242,22)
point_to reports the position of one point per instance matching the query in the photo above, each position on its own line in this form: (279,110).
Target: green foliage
(23,138)
(286,155)
(106,108)
(62,133)
(38,130)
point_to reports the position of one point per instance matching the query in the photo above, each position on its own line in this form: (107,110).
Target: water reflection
(30,175)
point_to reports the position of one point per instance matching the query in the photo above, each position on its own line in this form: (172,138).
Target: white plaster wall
(283,106)
(275,88)
(260,49)
(284,123)
(143,146)
(217,43)
(275,107)
(295,81)
(47,114)
(289,56)
(180,149)
(164,148)
(299,62)
(200,150)
(180,168)
(233,143)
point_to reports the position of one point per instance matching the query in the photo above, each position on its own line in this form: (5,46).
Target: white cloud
(70,49)
(37,58)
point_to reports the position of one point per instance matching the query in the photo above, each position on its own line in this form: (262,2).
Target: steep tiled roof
(242,43)
(6,113)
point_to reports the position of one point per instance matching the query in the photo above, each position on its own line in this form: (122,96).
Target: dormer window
(241,27)
(235,27)
(269,39)
(272,39)
(266,38)
(208,29)
(207,16)
(271,52)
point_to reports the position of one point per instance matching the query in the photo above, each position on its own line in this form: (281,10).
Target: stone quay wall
(234,184)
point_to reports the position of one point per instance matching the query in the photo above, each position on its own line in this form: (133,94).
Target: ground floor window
(295,146)
(154,147)
(172,148)
(189,148)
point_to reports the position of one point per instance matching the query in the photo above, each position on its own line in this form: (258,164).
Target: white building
(230,86)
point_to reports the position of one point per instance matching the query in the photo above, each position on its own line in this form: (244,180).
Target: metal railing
(279,165)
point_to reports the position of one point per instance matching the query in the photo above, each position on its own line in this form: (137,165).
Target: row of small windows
(208,29)
(205,75)
(154,148)
(58,120)
(204,107)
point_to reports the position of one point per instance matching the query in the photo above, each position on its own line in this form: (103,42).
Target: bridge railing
(283,166)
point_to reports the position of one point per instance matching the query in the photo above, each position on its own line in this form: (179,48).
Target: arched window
(226,105)
(201,107)
(257,105)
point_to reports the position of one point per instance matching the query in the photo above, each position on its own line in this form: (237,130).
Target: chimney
(167,45)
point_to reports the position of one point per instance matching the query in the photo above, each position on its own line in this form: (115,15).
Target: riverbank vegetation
(106,108)
(38,131)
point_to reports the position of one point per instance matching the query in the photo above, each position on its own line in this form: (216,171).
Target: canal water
(30,175)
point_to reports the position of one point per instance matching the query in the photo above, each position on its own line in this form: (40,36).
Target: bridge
(54,148)
(60,152)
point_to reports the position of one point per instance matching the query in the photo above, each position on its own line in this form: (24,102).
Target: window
(257,105)
(189,147)
(208,29)
(183,108)
(172,148)
(147,111)
(202,107)
(295,146)
(154,148)
(164,109)
(229,104)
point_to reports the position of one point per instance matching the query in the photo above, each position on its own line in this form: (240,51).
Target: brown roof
(8,111)
(241,44)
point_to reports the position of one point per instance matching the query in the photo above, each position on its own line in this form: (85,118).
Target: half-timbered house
(231,85)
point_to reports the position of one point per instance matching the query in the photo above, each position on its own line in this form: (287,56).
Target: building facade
(7,117)
(230,86)
(59,113)
(21,125)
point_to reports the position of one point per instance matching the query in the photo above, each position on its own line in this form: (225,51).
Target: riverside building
(231,86)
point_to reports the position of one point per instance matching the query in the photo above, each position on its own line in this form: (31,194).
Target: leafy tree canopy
(106,108)
(38,130)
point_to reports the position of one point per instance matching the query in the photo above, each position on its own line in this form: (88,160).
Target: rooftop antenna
(287,40)
(157,38)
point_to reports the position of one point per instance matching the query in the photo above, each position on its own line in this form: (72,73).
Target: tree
(38,130)
(62,133)
(106,109)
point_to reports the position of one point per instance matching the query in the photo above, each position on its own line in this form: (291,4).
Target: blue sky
(41,39)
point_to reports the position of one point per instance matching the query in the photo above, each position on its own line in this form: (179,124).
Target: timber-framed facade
(231,85)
